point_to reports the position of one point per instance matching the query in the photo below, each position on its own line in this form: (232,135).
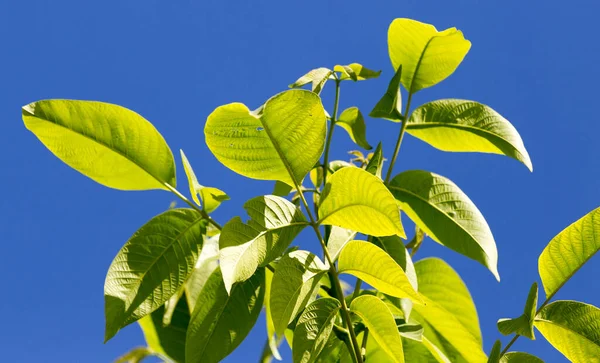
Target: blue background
(175,61)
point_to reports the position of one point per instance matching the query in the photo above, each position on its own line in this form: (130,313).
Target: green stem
(400,137)
(194,206)
(331,128)
(357,286)
(363,348)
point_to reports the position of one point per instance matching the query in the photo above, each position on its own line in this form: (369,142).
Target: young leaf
(374,266)
(357,200)
(151,267)
(272,341)
(110,144)
(446,214)
(274,223)
(389,106)
(426,55)
(168,340)
(519,357)
(460,125)
(318,77)
(296,281)
(283,143)
(313,329)
(522,325)
(495,354)
(353,122)
(355,72)
(211,197)
(569,251)
(573,328)
(221,320)
(379,320)
(338,237)
(205,266)
(375,164)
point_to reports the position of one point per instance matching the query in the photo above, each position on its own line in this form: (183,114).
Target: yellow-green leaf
(110,144)
(381,324)
(338,237)
(357,200)
(389,106)
(313,329)
(519,357)
(272,341)
(573,328)
(467,126)
(569,251)
(426,55)
(446,214)
(283,142)
(355,72)
(211,197)
(375,164)
(423,352)
(207,262)
(523,325)
(374,266)
(353,122)
(317,77)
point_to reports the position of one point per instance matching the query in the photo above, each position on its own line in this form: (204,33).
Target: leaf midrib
(320,221)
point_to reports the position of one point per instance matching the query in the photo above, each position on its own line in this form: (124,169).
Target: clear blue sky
(175,61)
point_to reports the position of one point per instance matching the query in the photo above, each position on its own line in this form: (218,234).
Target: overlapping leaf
(375,164)
(207,262)
(351,120)
(211,197)
(317,77)
(338,237)
(355,72)
(110,144)
(151,267)
(389,107)
(523,325)
(313,329)
(519,357)
(281,142)
(423,352)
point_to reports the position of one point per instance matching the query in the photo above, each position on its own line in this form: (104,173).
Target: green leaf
(375,267)
(151,267)
(423,352)
(207,262)
(136,355)
(569,251)
(211,197)
(353,122)
(283,143)
(426,55)
(274,223)
(110,144)
(394,247)
(411,331)
(338,237)
(313,329)
(375,164)
(519,357)
(522,325)
(573,328)
(389,107)
(272,341)
(296,281)
(495,353)
(318,77)
(282,189)
(222,320)
(446,214)
(168,340)
(357,200)
(379,320)
(461,125)
(355,72)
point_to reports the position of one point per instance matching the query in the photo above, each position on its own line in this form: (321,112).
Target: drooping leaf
(274,223)
(272,341)
(375,164)
(207,262)
(357,200)
(374,266)
(355,72)
(110,144)
(151,267)
(467,126)
(522,325)
(519,357)
(495,353)
(573,328)
(211,197)
(338,237)
(168,340)
(389,107)
(426,55)
(446,214)
(313,329)
(222,320)
(296,281)
(353,122)
(379,320)
(282,143)
(569,251)
(317,77)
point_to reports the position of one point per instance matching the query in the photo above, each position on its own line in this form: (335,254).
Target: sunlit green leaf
(569,251)
(281,189)
(151,267)
(375,267)
(389,107)
(446,214)
(423,352)
(317,77)
(295,281)
(338,237)
(375,164)
(353,122)
(222,320)
(211,197)
(426,55)
(110,144)
(272,341)
(573,328)
(274,223)
(205,266)
(355,72)
(522,325)
(313,329)
(411,330)
(495,353)
(379,320)
(463,126)
(283,143)
(357,200)
(519,357)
